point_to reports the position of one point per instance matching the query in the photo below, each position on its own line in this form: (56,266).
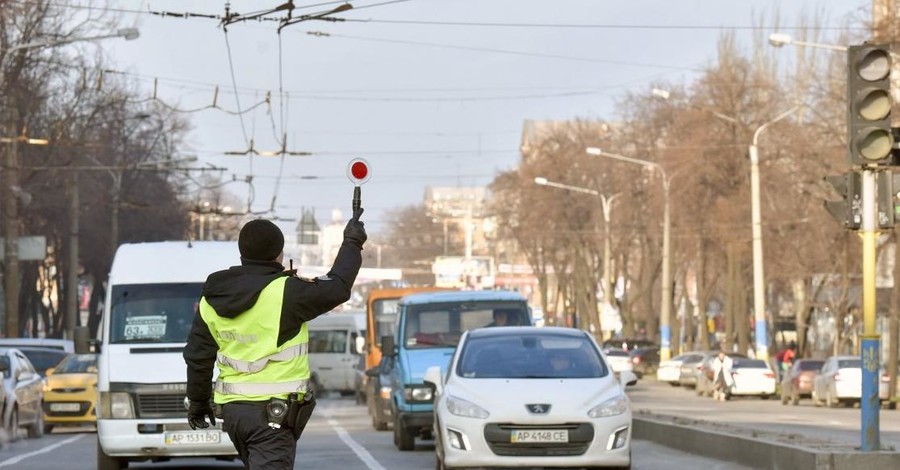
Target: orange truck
(381,317)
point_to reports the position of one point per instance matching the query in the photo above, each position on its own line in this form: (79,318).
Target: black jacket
(233,291)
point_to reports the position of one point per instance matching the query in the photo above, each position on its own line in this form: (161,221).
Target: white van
(152,296)
(335,344)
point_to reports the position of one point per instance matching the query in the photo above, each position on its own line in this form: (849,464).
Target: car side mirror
(434,380)
(388,347)
(627,378)
(360,345)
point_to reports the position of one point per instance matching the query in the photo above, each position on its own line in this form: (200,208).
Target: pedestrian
(721,367)
(251,323)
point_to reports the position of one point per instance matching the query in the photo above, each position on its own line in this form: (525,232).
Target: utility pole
(72,274)
(11,225)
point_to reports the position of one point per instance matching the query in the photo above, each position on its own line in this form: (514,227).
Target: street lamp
(606,205)
(11,212)
(759,292)
(666,310)
(781,39)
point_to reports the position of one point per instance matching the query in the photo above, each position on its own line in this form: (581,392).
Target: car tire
(403,437)
(377,421)
(48,428)
(36,429)
(785,398)
(105,462)
(795,398)
(815,398)
(14,425)
(830,402)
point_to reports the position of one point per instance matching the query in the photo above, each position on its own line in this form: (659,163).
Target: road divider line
(19,458)
(358,449)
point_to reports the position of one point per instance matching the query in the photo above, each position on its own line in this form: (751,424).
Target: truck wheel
(403,437)
(105,462)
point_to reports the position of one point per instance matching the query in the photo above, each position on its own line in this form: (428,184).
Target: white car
(24,391)
(534,397)
(670,370)
(619,360)
(839,381)
(752,377)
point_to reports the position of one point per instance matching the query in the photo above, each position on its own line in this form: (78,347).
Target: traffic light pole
(871,358)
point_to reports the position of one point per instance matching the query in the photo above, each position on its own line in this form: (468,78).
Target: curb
(756,452)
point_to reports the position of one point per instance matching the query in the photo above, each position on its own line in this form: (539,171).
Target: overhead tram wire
(464,23)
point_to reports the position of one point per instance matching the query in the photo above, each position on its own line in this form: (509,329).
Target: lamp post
(11,217)
(665,312)
(759,285)
(781,39)
(606,206)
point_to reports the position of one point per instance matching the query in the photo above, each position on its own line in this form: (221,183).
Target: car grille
(160,405)
(68,390)
(83,407)
(497,436)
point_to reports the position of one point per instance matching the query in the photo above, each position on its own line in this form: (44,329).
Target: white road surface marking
(358,449)
(22,457)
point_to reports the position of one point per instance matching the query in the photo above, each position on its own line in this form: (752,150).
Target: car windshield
(440,325)
(327,341)
(153,313)
(616,352)
(43,359)
(531,356)
(849,364)
(810,365)
(77,364)
(749,364)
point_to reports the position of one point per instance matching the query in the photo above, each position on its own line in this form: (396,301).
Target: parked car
(670,370)
(705,377)
(628,343)
(24,389)
(70,392)
(618,359)
(798,380)
(692,367)
(644,361)
(535,397)
(752,377)
(43,358)
(840,382)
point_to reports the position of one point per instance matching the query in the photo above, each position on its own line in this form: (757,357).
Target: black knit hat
(260,240)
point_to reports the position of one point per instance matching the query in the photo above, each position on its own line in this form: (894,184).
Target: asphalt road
(340,436)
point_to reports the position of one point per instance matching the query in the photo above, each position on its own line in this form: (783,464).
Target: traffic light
(869,104)
(848,210)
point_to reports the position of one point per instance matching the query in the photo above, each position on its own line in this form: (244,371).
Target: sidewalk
(754,446)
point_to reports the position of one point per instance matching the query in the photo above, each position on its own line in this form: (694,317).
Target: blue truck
(428,330)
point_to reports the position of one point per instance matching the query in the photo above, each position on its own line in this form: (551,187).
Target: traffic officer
(251,322)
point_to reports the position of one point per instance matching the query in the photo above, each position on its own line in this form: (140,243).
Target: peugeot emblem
(538,408)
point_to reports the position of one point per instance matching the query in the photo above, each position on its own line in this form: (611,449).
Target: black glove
(355,231)
(198,411)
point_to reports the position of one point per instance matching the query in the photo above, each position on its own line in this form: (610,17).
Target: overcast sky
(430,92)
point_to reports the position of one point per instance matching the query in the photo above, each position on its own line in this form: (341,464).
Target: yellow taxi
(70,391)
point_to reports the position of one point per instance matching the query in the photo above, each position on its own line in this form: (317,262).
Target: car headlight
(418,393)
(612,407)
(466,409)
(116,405)
(385,393)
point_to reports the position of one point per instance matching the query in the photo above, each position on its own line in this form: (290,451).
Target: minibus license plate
(192,437)
(538,435)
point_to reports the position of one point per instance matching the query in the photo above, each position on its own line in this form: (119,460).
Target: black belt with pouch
(299,411)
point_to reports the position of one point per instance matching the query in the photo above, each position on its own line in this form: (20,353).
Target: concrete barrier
(755,449)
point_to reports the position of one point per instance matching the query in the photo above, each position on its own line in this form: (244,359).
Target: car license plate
(65,407)
(192,437)
(538,435)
